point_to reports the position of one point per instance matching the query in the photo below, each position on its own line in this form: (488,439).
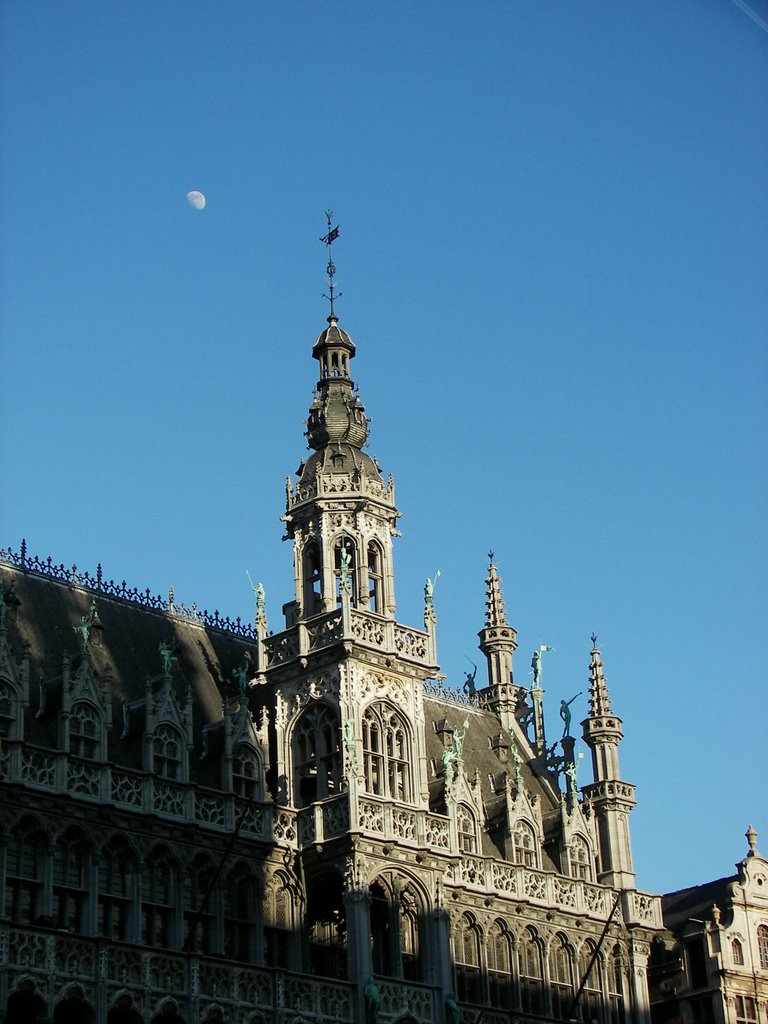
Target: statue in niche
(565,713)
(349,741)
(371,995)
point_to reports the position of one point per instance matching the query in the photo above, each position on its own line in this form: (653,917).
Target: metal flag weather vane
(329,239)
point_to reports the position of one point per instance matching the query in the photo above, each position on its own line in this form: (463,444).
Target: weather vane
(329,239)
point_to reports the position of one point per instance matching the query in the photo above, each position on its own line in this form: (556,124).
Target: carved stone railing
(406,997)
(128,789)
(338,484)
(105,970)
(96,583)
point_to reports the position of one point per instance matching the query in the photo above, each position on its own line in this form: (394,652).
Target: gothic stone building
(711,964)
(203,821)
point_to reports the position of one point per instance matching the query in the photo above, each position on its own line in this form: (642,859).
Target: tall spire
(498,642)
(611,798)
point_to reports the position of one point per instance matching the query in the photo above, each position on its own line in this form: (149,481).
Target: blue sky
(553,257)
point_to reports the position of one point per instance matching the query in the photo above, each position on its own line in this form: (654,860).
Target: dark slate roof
(696,902)
(129,652)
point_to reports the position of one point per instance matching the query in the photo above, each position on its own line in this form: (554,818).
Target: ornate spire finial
(495,615)
(330,269)
(751,836)
(599,698)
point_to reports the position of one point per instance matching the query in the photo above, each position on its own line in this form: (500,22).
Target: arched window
(167,752)
(589,1001)
(327,927)
(159,883)
(408,924)
(9,711)
(466,946)
(27,857)
(168,1015)
(531,972)
(200,908)
(278,923)
(465,826)
(524,844)
(561,977)
(499,954)
(616,986)
(382,953)
(241,902)
(85,731)
(117,866)
(375,579)
(74,1010)
(123,1012)
(386,753)
(313,578)
(25,1006)
(762,946)
(71,882)
(246,774)
(580,859)
(316,755)
(737,952)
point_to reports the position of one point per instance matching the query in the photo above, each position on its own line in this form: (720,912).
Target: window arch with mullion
(316,755)
(386,753)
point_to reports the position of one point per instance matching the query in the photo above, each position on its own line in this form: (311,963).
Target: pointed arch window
(27,860)
(589,1001)
(313,578)
(200,908)
(386,751)
(561,976)
(278,923)
(85,731)
(524,845)
(467,941)
(347,545)
(375,579)
(316,755)
(579,858)
(117,869)
(531,972)
(408,924)
(241,910)
(465,826)
(499,953)
(9,712)
(159,900)
(167,752)
(71,882)
(327,927)
(246,773)
(616,987)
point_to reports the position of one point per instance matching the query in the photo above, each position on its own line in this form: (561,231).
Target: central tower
(340,514)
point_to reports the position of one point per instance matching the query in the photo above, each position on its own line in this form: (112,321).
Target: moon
(196,199)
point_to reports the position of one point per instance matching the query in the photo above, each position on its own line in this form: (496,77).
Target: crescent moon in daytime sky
(196,199)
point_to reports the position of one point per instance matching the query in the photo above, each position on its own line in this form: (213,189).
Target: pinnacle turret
(498,642)
(495,615)
(599,698)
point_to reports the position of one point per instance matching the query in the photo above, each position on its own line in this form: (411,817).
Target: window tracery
(386,753)
(241,904)
(27,860)
(159,883)
(561,977)
(467,941)
(499,953)
(531,971)
(167,752)
(85,728)
(524,844)
(117,866)
(580,858)
(246,773)
(71,881)
(465,827)
(316,755)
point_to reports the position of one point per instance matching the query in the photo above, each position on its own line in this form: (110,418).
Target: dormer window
(84,731)
(167,753)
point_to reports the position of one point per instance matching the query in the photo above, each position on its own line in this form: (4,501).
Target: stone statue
(565,713)
(570,771)
(241,675)
(448,759)
(260,601)
(371,995)
(349,740)
(469,685)
(452,1010)
(345,560)
(429,589)
(518,764)
(84,627)
(458,739)
(168,654)
(536,664)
